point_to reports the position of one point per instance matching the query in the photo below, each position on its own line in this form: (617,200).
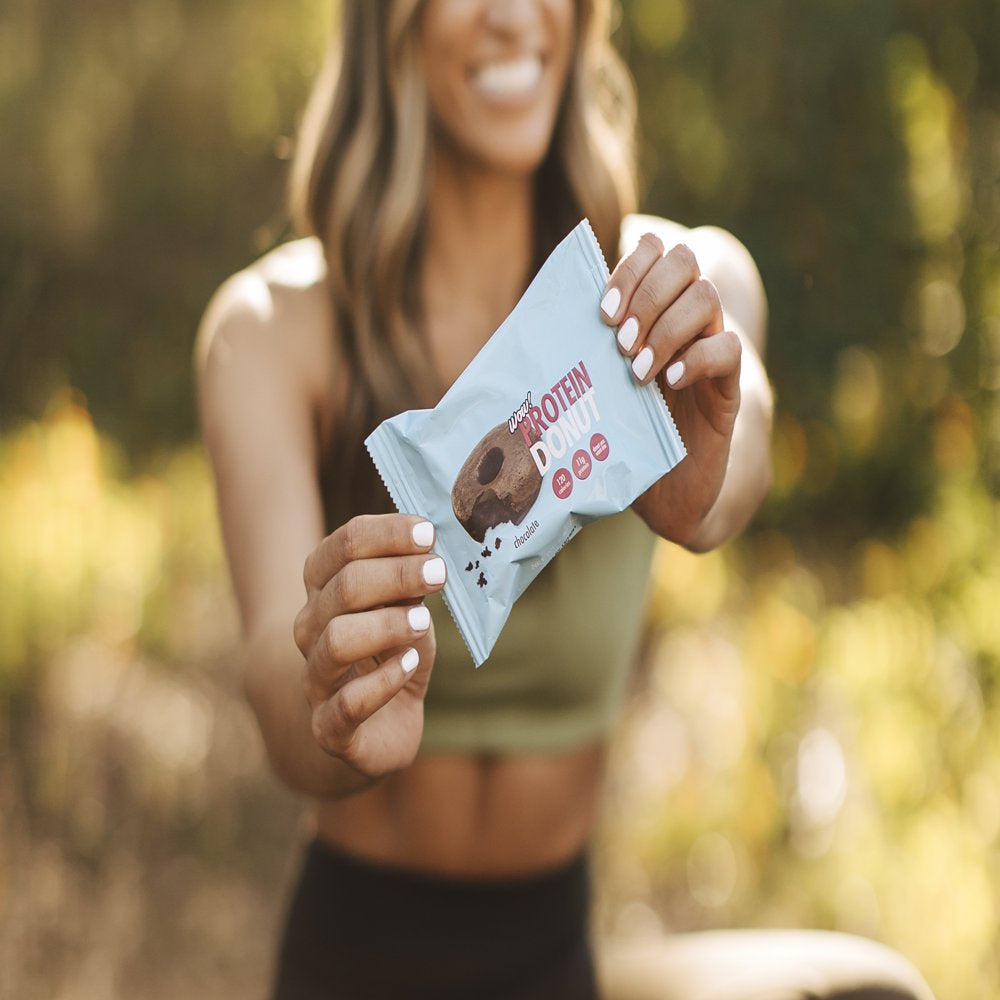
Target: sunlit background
(815,740)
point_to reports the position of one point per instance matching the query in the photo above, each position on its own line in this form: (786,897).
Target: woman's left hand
(670,324)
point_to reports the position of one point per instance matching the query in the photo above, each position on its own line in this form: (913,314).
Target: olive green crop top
(559,672)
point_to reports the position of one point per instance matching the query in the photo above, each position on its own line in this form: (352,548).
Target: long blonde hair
(359,184)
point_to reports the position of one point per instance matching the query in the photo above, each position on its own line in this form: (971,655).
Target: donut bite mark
(497,484)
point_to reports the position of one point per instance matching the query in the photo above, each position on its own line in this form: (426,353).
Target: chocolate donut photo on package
(545,431)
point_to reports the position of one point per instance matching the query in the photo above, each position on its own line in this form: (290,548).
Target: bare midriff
(472,816)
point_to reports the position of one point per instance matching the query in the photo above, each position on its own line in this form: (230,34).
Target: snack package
(545,431)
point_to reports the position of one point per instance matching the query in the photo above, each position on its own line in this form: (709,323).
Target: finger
(368,583)
(365,537)
(352,637)
(665,282)
(627,275)
(335,722)
(364,585)
(715,357)
(697,312)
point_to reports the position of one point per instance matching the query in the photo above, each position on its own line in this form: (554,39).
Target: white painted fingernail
(643,362)
(420,618)
(609,304)
(675,372)
(433,571)
(423,534)
(409,661)
(627,333)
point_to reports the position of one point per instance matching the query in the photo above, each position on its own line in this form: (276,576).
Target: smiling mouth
(509,78)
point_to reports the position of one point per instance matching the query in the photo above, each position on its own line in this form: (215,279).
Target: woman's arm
(318,658)
(694,317)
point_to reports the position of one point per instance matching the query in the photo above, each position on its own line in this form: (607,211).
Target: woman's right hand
(368,639)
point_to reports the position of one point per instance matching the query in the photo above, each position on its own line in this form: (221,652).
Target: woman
(448,146)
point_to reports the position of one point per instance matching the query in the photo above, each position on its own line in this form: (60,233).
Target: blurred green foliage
(144,146)
(853,146)
(818,738)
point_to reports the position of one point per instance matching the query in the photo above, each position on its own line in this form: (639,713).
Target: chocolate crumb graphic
(468,569)
(486,552)
(477,564)
(481,582)
(497,544)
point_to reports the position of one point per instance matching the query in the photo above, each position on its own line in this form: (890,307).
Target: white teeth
(511,77)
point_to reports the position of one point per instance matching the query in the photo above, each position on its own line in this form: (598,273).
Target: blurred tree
(852,146)
(144,144)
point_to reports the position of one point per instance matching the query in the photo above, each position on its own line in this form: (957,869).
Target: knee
(856,968)
(750,965)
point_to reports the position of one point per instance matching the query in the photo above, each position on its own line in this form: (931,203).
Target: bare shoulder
(265,366)
(275,312)
(635,226)
(712,245)
(721,257)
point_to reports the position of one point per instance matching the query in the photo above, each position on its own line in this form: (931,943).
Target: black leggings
(357,931)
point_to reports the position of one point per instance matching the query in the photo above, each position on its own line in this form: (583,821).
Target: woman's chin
(514,155)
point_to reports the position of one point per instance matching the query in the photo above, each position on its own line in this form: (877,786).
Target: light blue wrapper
(522,482)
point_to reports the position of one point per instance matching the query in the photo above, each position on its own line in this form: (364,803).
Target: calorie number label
(562,483)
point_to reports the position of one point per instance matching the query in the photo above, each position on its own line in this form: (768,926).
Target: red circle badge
(599,447)
(562,483)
